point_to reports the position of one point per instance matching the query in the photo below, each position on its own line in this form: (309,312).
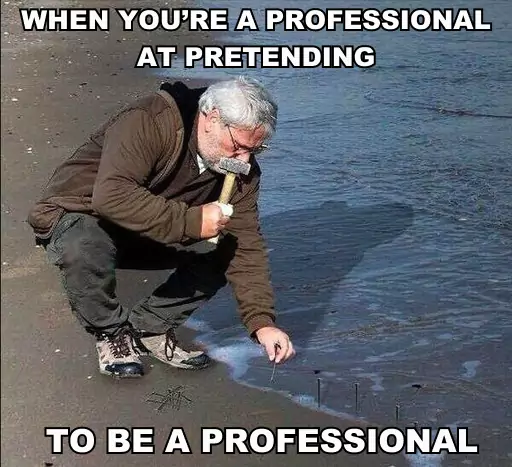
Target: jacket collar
(192,142)
(193,151)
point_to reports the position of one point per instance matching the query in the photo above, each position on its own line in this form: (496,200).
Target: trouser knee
(86,257)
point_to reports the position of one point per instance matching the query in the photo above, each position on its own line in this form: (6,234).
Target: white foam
(237,355)
(446,336)
(470,368)
(384,356)
(310,402)
(198,325)
(421,343)
(425,460)
(305,400)
(240,351)
(377,383)
(376,379)
(473,324)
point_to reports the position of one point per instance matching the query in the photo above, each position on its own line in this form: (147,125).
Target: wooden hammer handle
(227,188)
(225,196)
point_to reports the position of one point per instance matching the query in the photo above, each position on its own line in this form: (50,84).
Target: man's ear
(211,119)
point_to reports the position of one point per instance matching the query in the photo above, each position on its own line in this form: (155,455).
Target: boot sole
(181,365)
(121,376)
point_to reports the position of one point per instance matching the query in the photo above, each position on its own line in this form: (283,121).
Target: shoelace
(170,343)
(120,344)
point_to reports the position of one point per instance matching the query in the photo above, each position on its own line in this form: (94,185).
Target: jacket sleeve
(248,272)
(131,149)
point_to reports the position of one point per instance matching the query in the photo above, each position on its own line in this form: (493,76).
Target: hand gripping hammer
(233,167)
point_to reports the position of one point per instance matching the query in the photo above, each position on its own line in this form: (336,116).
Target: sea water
(387,207)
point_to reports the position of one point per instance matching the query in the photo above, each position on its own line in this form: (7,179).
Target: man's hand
(214,220)
(269,337)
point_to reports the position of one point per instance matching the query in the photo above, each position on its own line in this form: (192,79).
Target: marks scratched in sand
(173,398)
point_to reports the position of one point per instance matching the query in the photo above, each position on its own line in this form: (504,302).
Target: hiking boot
(165,348)
(117,355)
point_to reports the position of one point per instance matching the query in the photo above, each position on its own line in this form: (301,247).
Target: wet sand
(56,88)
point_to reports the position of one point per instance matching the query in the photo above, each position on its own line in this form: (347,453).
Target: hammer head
(233,165)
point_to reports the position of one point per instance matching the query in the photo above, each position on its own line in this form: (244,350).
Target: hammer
(233,167)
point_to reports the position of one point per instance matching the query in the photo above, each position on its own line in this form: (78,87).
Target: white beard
(209,155)
(213,165)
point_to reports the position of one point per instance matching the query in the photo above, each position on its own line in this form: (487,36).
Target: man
(144,187)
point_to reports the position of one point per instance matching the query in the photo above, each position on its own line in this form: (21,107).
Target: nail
(318,381)
(276,348)
(397,411)
(356,385)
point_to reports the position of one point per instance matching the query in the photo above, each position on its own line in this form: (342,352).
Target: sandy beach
(56,88)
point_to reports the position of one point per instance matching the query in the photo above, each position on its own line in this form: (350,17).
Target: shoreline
(56,89)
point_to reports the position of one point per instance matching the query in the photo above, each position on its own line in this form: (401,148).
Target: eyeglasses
(240,147)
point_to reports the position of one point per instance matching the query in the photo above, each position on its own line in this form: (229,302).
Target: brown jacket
(139,171)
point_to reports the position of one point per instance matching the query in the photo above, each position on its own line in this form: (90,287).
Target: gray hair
(243,103)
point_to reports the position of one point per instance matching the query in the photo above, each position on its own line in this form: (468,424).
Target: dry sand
(56,87)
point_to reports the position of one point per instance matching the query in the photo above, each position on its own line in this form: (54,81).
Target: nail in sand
(318,384)
(276,348)
(356,386)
